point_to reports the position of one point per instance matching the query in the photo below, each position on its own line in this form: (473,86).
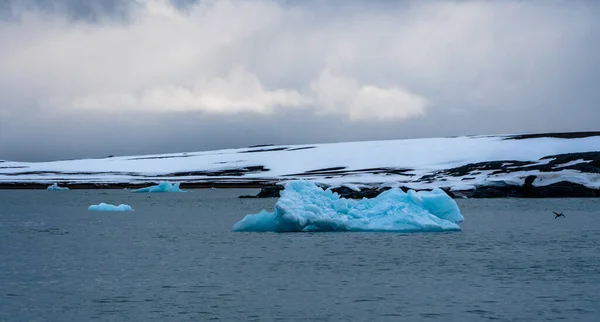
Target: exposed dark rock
(528,187)
(590,164)
(567,135)
(219,173)
(260,146)
(584,167)
(161,157)
(529,181)
(302,148)
(274,149)
(564,189)
(344,192)
(368,193)
(449,193)
(253,184)
(476,168)
(325,170)
(133,174)
(568,157)
(341,171)
(498,191)
(264,150)
(267,192)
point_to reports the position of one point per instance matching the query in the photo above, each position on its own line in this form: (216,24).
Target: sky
(84,79)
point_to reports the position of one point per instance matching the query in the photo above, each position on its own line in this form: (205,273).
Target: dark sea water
(176,259)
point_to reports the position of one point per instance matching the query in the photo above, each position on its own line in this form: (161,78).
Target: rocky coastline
(514,171)
(562,189)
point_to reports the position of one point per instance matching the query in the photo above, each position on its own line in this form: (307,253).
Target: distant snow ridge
(303,206)
(55,187)
(164,186)
(108,207)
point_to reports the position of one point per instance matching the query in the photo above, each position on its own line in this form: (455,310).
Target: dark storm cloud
(78,82)
(89,10)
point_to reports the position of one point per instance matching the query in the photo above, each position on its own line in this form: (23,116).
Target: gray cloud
(74,10)
(111,77)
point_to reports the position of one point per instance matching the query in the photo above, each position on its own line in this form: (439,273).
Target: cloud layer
(202,59)
(478,63)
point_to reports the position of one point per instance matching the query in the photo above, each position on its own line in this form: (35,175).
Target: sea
(175,258)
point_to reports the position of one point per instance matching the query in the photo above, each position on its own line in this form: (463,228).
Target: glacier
(303,206)
(55,187)
(164,186)
(108,207)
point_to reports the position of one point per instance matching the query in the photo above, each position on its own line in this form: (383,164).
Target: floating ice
(164,186)
(303,206)
(108,207)
(55,187)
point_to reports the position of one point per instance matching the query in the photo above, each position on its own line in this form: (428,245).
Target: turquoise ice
(164,186)
(108,207)
(303,206)
(55,187)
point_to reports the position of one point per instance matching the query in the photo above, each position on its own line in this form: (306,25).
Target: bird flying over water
(556,215)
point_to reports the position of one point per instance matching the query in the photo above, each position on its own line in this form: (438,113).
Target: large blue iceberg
(303,206)
(108,207)
(164,186)
(55,187)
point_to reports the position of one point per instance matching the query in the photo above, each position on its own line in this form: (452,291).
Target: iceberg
(164,186)
(303,206)
(108,207)
(55,187)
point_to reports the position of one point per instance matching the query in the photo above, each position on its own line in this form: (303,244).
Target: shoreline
(565,165)
(270,189)
(115,186)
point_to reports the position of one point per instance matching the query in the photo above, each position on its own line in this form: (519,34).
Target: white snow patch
(420,156)
(568,164)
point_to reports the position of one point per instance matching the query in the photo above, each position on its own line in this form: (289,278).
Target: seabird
(556,215)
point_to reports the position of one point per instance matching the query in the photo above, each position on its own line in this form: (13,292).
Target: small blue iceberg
(108,207)
(164,186)
(55,187)
(303,206)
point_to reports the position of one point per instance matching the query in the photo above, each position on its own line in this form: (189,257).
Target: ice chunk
(108,207)
(164,186)
(303,206)
(55,187)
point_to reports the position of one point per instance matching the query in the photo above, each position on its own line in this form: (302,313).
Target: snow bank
(303,206)
(416,163)
(55,187)
(164,186)
(108,207)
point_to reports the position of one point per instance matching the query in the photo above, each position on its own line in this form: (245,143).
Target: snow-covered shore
(456,164)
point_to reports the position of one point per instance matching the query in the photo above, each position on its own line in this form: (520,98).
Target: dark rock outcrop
(566,135)
(219,173)
(368,193)
(564,189)
(344,192)
(267,192)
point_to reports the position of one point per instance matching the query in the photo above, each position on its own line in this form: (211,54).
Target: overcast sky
(95,78)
